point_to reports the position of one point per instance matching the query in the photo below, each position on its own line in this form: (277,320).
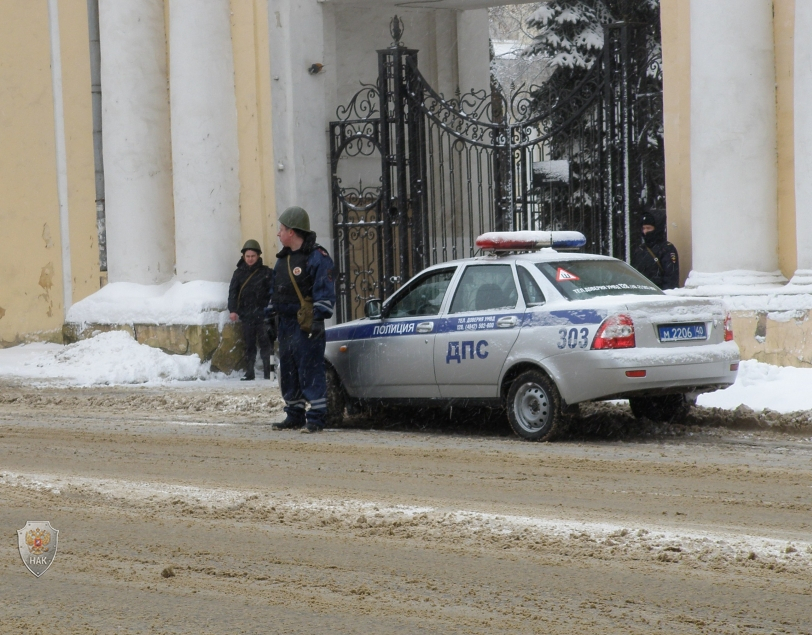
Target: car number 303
(573,338)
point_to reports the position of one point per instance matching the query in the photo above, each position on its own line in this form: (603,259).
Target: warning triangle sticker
(562,275)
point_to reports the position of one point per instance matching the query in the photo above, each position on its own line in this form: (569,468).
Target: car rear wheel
(534,407)
(336,398)
(665,408)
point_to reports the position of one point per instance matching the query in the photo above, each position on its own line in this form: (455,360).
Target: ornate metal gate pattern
(590,159)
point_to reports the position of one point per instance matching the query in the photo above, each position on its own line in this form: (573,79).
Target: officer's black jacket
(657,259)
(255,294)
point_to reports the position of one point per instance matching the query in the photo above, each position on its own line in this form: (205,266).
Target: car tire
(534,407)
(336,399)
(662,409)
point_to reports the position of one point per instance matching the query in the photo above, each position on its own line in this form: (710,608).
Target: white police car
(536,332)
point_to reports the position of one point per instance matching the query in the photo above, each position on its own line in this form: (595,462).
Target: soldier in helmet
(248,295)
(303,275)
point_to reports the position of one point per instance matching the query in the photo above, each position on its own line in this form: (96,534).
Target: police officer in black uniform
(655,257)
(301,354)
(248,295)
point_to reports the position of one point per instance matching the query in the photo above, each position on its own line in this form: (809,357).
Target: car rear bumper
(590,375)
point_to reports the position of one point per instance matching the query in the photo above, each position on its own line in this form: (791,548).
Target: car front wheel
(665,408)
(336,398)
(534,407)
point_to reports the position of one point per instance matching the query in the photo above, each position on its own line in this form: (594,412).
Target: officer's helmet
(253,245)
(295,218)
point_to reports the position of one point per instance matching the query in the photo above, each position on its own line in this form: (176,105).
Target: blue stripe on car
(467,323)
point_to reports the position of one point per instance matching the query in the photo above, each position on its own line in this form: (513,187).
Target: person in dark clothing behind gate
(655,257)
(248,295)
(303,278)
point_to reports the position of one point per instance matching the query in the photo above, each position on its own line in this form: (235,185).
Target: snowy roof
(507,49)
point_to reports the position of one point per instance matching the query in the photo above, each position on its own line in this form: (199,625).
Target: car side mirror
(372,309)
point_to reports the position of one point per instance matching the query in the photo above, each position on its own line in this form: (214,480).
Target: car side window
(530,288)
(484,288)
(422,297)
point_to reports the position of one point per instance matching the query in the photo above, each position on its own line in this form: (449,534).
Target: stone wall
(782,338)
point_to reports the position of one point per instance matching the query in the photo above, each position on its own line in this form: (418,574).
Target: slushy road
(363,530)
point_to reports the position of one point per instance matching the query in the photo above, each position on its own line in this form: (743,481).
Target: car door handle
(425,327)
(507,322)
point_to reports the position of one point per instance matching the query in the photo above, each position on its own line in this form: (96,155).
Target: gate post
(397,134)
(626,119)
(502,162)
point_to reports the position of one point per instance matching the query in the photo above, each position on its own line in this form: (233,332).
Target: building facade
(737,74)
(144,140)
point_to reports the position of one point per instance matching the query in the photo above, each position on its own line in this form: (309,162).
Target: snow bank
(174,302)
(760,386)
(106,359)
(115,358)
(750,290)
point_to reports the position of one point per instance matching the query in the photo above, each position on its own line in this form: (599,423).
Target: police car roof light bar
(530,240)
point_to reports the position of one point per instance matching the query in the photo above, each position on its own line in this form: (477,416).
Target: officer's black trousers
(253,331)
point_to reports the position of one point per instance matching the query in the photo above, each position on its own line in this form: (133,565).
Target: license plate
(682,332)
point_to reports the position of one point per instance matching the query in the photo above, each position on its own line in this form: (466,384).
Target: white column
(205,152)
(803,142)
(473,50)
(135,130)
(733,140)
(300,114)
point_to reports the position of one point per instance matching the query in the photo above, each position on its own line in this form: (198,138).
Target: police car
(536,331)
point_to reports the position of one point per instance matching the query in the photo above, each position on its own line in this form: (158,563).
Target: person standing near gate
(655,257)
(303,297)
(248,295)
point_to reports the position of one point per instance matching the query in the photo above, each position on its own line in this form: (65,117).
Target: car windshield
(582,279)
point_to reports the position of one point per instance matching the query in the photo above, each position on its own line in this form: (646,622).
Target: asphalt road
(181,511)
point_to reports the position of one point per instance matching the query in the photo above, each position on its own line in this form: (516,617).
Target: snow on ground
(760,386)
(106,359)
(115,358)
(443,522)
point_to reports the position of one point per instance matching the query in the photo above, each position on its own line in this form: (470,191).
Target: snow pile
(106,359)
(760,386)
(692,546)
(751,290)
(115,358)
(174,302)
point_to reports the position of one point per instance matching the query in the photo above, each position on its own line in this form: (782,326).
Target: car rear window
(582,279)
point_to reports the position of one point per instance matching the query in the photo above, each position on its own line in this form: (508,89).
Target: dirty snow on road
(649,540)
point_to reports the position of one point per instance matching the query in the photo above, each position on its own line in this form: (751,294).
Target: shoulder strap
(239,295)
(657,260)
(295,286)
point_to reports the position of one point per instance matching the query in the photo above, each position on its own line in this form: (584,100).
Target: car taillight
(728,328)
(617,331)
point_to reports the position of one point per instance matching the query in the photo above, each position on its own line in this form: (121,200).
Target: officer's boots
(266,367)
(249,371)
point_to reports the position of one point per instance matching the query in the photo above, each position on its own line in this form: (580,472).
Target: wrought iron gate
(441,171)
